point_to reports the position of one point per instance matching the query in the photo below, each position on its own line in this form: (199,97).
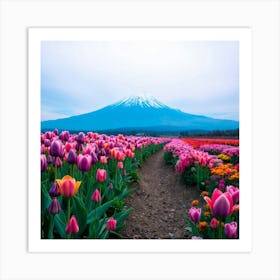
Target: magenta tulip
(220,203)
(96,196)
(72,226)
(195,214)
(120,165)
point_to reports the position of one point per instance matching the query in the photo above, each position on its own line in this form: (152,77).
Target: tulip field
(213,168)
(85,179)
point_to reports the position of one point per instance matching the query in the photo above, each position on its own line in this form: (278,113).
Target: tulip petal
(216,193)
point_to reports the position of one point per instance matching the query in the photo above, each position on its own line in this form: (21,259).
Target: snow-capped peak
(142,101)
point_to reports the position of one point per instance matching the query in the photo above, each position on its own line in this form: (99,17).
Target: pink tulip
(101,175)
(96,196)
(111,224)
(195,214)
(220,203)
(72,226)
(231,230)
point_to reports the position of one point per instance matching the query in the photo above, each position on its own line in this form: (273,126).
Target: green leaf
(99,211)
(60,224)
(126,192)
(46,199)
(120,217)
(188,229)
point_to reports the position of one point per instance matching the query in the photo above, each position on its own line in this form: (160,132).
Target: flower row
(84,180)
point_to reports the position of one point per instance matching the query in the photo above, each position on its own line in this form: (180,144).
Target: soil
(160,203)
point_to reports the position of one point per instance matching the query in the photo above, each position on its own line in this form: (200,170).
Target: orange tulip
(68,186)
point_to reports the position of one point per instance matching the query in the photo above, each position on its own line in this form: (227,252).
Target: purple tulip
(80,138)
(94,158)
(56,149)
(84,162)
(195,214)
(44,163)
(54,207)
(64,136)
(54,190)
(231,230)
(72,157)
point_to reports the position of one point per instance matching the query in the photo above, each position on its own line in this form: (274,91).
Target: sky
(197,77)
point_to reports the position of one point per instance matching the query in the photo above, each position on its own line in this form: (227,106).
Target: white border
(243,35)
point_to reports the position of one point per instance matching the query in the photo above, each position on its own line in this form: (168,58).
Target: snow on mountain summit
(142,101)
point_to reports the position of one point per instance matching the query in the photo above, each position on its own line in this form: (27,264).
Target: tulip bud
(54,190)
(120,165)
(54,207)
(111,224)
(96,196)
(72,226)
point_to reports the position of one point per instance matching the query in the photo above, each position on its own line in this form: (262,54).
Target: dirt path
(160,203)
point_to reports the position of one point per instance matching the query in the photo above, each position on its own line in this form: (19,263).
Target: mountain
(139,113)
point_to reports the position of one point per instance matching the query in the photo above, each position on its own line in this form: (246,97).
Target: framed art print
(140,139)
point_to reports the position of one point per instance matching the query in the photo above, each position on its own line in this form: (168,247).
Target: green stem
(50,235)
(220,230)
(68,214)
(68,209)
(72,170)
